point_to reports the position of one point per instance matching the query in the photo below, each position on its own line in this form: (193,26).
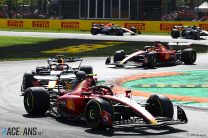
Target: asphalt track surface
(126,37)
(12,113)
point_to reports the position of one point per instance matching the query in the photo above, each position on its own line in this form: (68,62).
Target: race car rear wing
(66,59)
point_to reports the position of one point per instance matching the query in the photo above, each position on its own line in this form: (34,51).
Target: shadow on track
(136,131)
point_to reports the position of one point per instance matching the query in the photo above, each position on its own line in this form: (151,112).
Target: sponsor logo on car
(40,24)
(139,26)
(204,26)
(69,25)
(14,23)
(168,26)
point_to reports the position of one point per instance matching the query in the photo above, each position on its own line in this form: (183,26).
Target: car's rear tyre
(81,75)
(151,60)
(189,56)
(36,101)
(86,69)
(27,81)
(196,35)
(175,33)
(94,111)
(160,106)
(94,31)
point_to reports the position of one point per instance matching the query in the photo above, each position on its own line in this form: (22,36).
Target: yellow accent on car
(70,104)
(51,84)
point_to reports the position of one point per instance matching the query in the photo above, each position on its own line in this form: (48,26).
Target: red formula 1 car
(155,55)
(99,107)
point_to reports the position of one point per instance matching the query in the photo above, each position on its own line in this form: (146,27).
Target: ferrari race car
(155,55)
(188,32)
(99,107)
(56,67)
(110,29)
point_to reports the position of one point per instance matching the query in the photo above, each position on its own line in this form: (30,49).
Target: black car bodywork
(188,32)
(114,30)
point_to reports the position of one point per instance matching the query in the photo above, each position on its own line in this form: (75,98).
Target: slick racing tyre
(99,113)
(151,60)
(36,101)
(160,106)
(27,81)
(175,33)
(119,56)
(196,35)
(87,69)
(94,31)
(188,56)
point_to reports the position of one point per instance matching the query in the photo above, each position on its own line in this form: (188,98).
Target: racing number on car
(68,86)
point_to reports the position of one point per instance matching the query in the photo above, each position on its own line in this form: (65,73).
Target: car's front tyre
(36,100)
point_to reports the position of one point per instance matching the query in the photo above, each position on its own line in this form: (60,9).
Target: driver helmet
(61,61)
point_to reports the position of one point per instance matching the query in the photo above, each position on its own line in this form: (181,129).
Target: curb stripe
(171,85)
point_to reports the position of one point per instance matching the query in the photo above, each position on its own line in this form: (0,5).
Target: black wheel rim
(193,57)
(93,116)
(93,113)
(28,102)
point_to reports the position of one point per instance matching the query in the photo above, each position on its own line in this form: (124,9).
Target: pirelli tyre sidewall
(94,30)
(27,81)
(36,101)
(87,69)
(175,33)
(196,35)
(160,106)
(93,113)
(118,56)
(151,60)
(189,56)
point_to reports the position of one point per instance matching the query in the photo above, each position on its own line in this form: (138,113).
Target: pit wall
(143,26)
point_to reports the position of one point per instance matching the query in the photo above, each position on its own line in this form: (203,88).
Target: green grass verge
(23,48)
(43,30)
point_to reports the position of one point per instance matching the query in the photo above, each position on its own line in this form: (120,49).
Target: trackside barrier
(143,26)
